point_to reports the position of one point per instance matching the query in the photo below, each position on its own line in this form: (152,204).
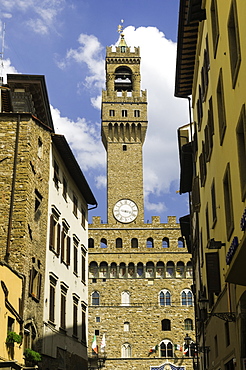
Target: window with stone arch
(93,270)
(90,243)
(180,242)
(131,270)
(126,326)
(166,348)
(118,243)
(186,297)
(165,297)
(170,269)
(122,270)
(150,270)
(189,269)
(134,243)
(150,243)
(165,325)
(126,350)
(180,269)
(103,243)
(95,298)
(140,270)
(165,243)
(188,324)
(113,270)
(125,298)
(160,269)
(103,270)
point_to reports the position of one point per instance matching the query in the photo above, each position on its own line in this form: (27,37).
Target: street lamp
(191,348)
(95,362)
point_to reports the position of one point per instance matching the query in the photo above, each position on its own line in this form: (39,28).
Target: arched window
(189,271)
(170,269)
(188,324)
(166,348)
(140,273)
(125,298)
(103,243)
(180,269)
(165,298)
(165,325)
(126,350)
(118,243)
(95,299)
(160,269)
(90,243)
(150,270)
(93,270)
(186,298)
(126,326)
(122,270)
(131,270)
(165,243)
(150,243)
(113,270)
(103,270)
(123,79)
(180,242)
(134,243)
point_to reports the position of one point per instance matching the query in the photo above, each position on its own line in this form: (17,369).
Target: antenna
(2,53)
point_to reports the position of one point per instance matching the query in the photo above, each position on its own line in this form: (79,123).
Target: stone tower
(139,274)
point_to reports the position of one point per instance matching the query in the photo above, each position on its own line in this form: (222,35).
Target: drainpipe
(12,190)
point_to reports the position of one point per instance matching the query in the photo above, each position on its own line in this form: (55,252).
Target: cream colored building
(140,274)
(211,67)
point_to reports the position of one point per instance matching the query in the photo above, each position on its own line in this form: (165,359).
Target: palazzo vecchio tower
(140,274)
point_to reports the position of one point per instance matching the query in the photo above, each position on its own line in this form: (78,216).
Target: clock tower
(124,124)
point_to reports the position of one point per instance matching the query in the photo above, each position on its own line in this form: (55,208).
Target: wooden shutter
(68,249)
(51,232)
(213,272)
(62,244)
(58,246)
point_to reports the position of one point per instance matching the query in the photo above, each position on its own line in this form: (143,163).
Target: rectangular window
(228,202)
(241,146)
(37,206)
(207,223)
(75,256)
(136,113)
(75,205)
(35,283)
(63,309)
(56,174)
(10,324)
(64,189)
(55,233)
(83,217)
(234,43)
(52,300)
(202,165)
(83,259)
(124,113)
(221,108)
(111,113)
(215,25)
(83,326)
(227,334)
(214,208)
(65,245)
(75,317)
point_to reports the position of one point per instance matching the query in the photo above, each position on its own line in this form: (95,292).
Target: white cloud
(84,139)
(101,182)
(6,68)
(42,14)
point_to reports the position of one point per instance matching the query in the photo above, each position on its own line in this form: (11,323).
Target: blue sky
(65,40)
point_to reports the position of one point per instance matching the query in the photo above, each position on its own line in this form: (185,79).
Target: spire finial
(120,26)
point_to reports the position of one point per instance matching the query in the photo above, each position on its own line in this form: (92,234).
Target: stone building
(140,274)
(29,150)
(211,67)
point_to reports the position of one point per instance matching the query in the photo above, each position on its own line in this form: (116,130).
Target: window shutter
(39,285)
(58,239)
(83,268)
(68,249)
(213,272)
(31,275)
(51,232)
(62,244)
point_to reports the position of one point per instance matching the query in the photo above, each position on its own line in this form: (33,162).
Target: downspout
(12,190)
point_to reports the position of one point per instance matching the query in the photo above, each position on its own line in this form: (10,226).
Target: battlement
(111,51)
(125,96)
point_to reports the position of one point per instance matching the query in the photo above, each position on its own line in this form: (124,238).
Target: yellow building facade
(140,274)
(211,68)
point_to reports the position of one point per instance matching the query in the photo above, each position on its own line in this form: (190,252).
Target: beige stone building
(140,274)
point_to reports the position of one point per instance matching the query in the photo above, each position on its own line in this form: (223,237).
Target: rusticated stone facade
(140,275)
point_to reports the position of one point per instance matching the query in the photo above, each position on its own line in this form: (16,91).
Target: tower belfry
(124,124)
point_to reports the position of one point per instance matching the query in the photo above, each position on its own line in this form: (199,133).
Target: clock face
(125,211)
